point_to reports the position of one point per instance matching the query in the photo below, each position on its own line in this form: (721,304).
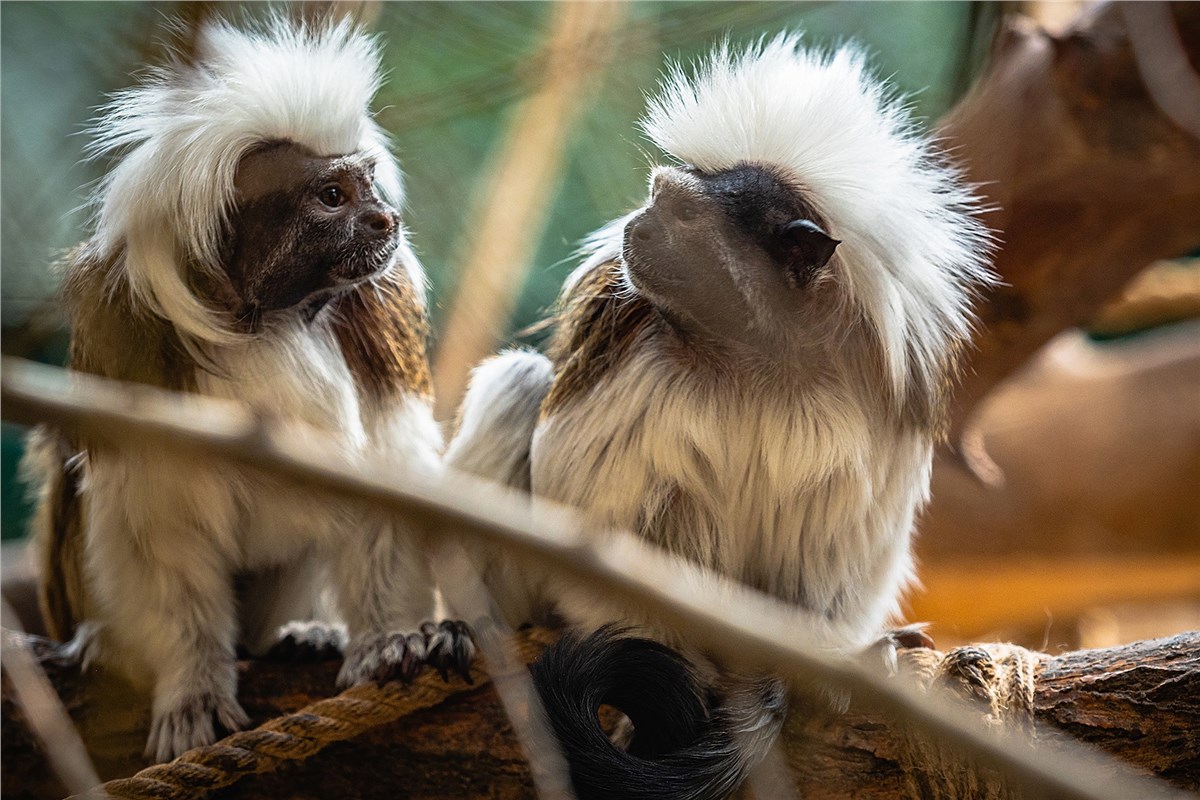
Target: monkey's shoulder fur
(381,329)
(594,330)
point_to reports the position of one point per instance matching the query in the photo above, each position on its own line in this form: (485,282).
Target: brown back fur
(594,331)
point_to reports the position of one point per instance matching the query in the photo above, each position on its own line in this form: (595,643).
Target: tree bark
(1140,702)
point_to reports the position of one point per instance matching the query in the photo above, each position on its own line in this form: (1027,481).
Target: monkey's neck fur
(801,480)
(376,329)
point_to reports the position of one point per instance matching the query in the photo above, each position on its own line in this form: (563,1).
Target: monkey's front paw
(307,642)
(449,645)
(383,657)
(908,637)
(188,723)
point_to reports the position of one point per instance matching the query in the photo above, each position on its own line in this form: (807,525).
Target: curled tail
(681,748)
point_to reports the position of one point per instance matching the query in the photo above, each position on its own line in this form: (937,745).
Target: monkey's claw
(446,646)
(188,723)
(383,658)
(449,645)
(308,642)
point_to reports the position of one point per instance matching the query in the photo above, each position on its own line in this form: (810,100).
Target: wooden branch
(1091,181)
(1141,702)
(743,627)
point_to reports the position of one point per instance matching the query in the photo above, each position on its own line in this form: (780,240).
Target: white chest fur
(296,376)
(293,373)
(805,495)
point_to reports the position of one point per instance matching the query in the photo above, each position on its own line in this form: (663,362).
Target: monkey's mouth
(643,263)
(311,293)
(363,263)
(686,282)
(349,273)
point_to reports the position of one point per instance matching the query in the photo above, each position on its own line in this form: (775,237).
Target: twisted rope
(996,680)
(298,736)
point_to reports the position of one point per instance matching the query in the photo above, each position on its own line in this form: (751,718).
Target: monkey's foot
(188,723)
(308,642)
(907,637)
(449,645)
(382,657)
(84,648)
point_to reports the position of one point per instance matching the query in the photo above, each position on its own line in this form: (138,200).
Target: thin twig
(516,194)
(44,712)
(726,618)
(467,597)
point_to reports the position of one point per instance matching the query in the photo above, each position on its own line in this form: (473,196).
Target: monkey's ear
(811,246)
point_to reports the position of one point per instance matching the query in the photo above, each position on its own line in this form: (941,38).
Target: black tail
(680,751)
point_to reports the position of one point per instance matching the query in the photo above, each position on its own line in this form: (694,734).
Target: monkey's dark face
(730,255)
(304,228)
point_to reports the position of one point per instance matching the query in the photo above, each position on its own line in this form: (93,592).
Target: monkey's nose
(380,221)
(644,230)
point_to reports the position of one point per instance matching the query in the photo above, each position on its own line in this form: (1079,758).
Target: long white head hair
(179,135)
(913,253)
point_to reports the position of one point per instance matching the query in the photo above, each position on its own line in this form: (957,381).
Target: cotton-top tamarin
(749,371)
(247,246)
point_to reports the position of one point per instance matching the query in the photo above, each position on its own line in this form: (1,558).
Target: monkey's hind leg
(52,468)
(166,595)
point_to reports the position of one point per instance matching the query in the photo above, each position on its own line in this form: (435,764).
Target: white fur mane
(912,254)
(180,135)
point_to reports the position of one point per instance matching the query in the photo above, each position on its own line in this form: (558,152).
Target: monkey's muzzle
(642,250)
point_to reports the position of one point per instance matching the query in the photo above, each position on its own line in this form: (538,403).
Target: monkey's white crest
(181,133)
(911,254)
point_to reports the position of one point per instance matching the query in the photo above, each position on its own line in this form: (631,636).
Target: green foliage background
(456,70)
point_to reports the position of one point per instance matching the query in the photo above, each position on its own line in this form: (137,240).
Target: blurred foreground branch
(1138,701)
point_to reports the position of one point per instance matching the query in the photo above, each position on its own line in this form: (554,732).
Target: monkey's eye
(332,196)
(687,211)
(809,245)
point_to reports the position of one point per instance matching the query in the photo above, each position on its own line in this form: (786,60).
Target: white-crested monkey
(751,372)
(248,246)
